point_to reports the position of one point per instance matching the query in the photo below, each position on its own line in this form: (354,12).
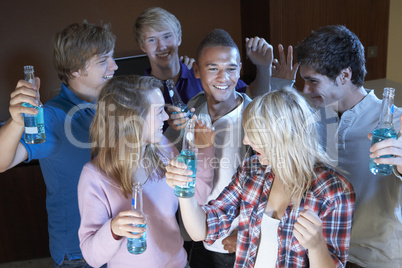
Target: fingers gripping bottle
(176,99)
(384,130)
(188,157)
(137,245)
(34,123)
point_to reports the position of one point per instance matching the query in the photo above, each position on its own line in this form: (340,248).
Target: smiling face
(99,69)
(218,68)
(161,47)
(153,125)
(322,90)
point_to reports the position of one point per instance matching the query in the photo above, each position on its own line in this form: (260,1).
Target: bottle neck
(30,77)
(174,95)
(387,111)
(188,138)
(137,198)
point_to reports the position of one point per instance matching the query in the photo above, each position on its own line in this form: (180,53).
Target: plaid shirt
(331,196)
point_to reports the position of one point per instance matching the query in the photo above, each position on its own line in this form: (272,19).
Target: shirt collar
(67,94)
(185,72)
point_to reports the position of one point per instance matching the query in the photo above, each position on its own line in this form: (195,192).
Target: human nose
(161,44)
(112,64)
(222,75)
(165,116)
(307,89)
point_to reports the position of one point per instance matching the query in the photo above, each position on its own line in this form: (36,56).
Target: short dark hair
(215,38)
(331,49)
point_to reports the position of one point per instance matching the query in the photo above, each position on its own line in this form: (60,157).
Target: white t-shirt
(268,248)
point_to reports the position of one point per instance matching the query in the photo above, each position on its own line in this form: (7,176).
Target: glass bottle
(384,130)
(188,157)
(137,245)
(34,123)
(176,99)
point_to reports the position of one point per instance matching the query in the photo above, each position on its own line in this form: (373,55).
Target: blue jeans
(79,263)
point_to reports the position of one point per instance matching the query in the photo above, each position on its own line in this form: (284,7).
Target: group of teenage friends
(278,184)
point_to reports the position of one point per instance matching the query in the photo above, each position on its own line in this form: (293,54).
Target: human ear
(75,74)
(143,49)
(196,70)
(345,75)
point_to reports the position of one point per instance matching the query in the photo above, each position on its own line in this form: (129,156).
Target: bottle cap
(389,92)
(28,68)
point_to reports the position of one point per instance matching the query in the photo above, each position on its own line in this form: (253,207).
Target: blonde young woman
(295,209)
(129,147)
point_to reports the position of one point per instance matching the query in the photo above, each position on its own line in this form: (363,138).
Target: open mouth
(108,76)
(221,87)
(164,55)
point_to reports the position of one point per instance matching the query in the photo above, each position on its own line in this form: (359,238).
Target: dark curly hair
(331,49)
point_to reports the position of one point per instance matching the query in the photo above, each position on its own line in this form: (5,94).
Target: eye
(168,36)
(151,40)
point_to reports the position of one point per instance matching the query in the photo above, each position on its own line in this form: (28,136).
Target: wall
(288,22)
(28,27)
(394,68)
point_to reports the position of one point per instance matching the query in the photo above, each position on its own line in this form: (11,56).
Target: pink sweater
(100,200)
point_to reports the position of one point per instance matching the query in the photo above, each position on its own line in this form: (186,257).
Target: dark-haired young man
(332,65)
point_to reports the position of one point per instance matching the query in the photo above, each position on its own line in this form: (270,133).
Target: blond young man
(83,58)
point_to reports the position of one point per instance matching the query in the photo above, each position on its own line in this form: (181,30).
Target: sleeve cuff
(396,173)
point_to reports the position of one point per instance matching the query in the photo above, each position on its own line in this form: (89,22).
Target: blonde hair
(76,44)
(282,124)
(157,19)
(117,128)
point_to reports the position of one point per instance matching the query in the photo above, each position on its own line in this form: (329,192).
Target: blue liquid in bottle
(138,245)
(187,157)
(379,135)
(34,125)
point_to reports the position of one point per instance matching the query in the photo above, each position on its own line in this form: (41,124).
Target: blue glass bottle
(34,123)
(176,99)
(188,157)
(384,130)
(137,245)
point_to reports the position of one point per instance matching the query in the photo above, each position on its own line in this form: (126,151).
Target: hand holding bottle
(388,147)
(177,118)
(383,131)
(177,174)
(24,92)
(125,224)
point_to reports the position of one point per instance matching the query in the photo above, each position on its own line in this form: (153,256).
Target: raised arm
(13,152)
(284,68)
(193,216)
(261,55)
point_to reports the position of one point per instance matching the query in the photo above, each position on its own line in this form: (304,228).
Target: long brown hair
(117,128)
